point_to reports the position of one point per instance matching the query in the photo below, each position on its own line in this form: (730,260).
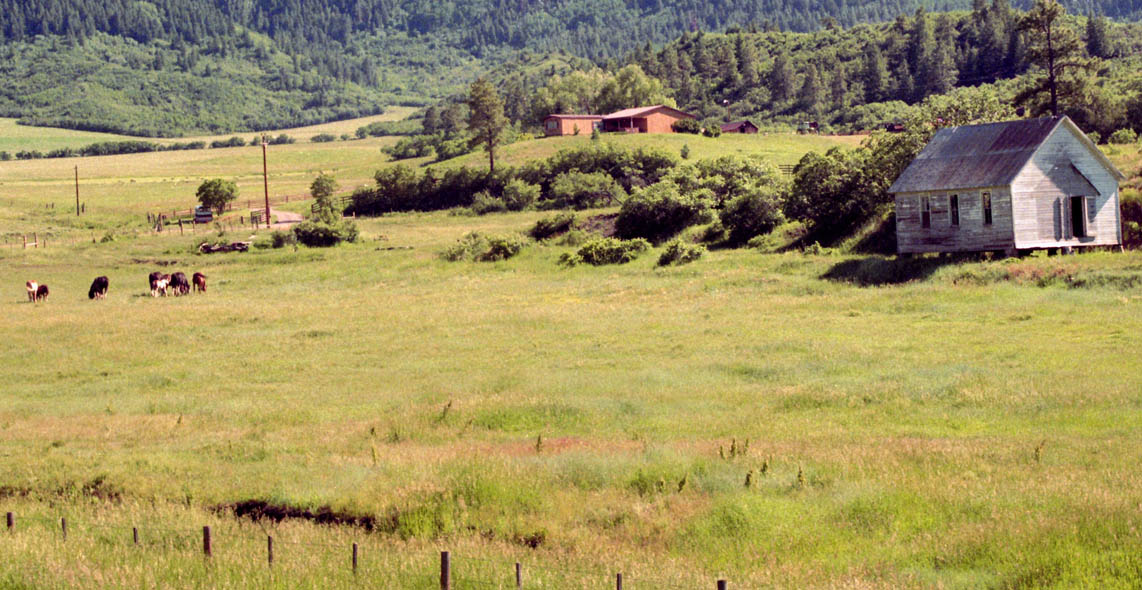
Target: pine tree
(747,62)
(1058,51)
(486,120)
(780,79)
(809,97)
(874,74)
(1097,44)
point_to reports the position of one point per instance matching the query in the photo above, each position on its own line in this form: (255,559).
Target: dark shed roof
(974,156)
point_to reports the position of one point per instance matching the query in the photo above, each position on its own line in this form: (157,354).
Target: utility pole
(266,180)
(77,191)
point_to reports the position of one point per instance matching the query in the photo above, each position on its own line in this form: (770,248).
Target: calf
(199,281)
(32,286)
(159,282)
(179,283)
(41,293)
(98,288)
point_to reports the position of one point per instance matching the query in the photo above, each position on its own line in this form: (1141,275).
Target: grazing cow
(98,288)
(199,281)
(41,293)
(32,286)
(179,284)
(159,282)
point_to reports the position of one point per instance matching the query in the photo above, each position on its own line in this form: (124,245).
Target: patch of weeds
(678,252)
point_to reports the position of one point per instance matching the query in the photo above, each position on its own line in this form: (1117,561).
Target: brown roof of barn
(973,156)
(736,125)
(573,117)
(643,111)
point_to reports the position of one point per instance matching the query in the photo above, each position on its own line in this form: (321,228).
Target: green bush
(679,252)
(1123,136)
(281,239)
(687,126)
(552,226)
(712,130)
(485,203)
(752,214)
(602,251)
(582,190)
(660,211)
(477,247)
(316,234)
(1130,203)
(323,138)
(519,195)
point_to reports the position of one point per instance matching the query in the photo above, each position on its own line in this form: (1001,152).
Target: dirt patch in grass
(257,510)
(603,225)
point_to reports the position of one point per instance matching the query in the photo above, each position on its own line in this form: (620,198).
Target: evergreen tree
(747,62)
(874,74)
(1058,51)
(1097,43)
(486,120)
(781,79)
(809,97)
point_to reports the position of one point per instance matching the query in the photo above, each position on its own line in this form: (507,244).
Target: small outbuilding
(557,125)
(653,119)
(739,127)
(1011,186)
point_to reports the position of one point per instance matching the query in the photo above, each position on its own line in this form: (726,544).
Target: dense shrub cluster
(679,252)
(660,211)
(687,126)
(1123,136)
(552,226)
(602,251)
(477,247)
(319,234)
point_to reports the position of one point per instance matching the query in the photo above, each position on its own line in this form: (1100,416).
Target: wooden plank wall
(971,235)
(1041,212)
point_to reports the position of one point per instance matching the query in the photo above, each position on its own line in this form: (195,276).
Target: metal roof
(737,125)
(573,117)
(975,156)
(643,111)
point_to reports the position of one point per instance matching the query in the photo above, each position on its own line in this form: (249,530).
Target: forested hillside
(171,66)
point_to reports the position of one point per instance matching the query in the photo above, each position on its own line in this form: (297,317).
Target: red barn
(739,127)
(654,119)
(556,125)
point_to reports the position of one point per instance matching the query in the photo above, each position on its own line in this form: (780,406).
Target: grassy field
(779,420)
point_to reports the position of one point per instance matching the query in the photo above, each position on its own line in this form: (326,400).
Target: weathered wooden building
(745,126)
(557,125)
(1018,185)
(653,119)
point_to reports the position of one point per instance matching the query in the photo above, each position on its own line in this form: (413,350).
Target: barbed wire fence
(456,571)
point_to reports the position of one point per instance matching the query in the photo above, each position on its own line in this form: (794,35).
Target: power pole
(266,180)
(77,191)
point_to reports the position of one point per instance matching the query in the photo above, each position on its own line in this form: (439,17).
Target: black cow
(179,283)
(98,288)
(42,293)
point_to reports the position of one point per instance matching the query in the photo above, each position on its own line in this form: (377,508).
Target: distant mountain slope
(169,66)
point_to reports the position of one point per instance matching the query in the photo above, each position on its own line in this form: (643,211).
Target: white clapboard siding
(1042,212)
(971,235)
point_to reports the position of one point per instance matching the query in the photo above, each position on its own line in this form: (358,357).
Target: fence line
(513,573)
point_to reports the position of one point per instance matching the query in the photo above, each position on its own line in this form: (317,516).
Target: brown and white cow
(159,283)
(32,286)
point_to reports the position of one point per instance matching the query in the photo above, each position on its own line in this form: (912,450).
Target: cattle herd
(160,284)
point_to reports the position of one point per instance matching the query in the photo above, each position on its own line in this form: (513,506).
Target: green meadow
(777,420)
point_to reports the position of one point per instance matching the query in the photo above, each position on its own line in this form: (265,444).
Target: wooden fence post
(36,239)
(135,534)
(270,550)
(11,518)
(518,575)
(180,226)
(63,527)
(619,581)
(206,541)
(721,585)
(445,571)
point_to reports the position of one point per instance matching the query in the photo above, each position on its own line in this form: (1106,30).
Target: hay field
(975,427)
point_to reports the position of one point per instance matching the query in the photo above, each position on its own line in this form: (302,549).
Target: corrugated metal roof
(975,156)
(573,117)
(643,111)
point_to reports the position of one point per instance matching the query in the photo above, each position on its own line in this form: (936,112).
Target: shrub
(1131,207)
(607,251)
(660,211)
(519,195)
(232,142)
(1123,136)
(579,190)
(685,151)
(485,203)
(712,131)
(687,126)
(282,139)
(323,138)
(417,146)
(281,239)
(552,226)
(752,214)
(679,252)
(502,248)
(1094,137)
(475,246)
(316,234)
